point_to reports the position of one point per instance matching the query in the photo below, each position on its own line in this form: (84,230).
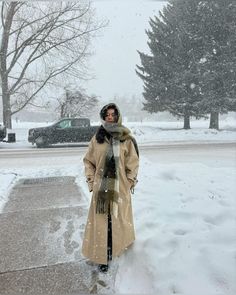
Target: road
(160,153)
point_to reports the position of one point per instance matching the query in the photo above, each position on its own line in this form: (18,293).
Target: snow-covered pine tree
(170,73)
(218,62)
(191,68)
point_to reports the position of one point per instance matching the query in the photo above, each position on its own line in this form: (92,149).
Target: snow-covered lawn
(184,214)
(185,225)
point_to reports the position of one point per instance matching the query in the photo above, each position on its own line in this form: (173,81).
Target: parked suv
(66,130)
(3,132)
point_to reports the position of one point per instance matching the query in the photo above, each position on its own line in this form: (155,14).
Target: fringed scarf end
(103,208)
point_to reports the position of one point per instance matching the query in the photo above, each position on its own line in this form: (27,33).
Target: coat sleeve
(132,164)
(90,165)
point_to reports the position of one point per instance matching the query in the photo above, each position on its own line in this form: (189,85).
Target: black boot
(103,267)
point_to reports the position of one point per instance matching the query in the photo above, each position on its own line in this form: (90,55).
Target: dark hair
(101,134)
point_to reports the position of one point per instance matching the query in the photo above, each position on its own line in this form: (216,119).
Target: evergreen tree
(181,75)
(170,73)
(219,58)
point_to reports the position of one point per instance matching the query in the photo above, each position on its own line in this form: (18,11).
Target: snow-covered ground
(184,212)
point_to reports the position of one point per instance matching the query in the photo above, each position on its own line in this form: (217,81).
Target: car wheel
(41,142)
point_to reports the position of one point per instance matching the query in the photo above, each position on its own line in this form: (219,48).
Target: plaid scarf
(108,192)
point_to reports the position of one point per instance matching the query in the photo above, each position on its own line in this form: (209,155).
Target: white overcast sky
(115,52)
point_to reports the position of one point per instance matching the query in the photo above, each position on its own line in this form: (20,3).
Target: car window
(64,124)
(80,123)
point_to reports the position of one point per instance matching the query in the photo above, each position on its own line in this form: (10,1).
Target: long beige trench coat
(95,236)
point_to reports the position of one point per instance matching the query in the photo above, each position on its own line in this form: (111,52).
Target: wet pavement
(41,230)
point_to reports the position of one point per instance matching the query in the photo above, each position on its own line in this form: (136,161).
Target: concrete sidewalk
(41,230)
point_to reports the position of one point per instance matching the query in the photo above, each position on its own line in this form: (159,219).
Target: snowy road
(211,154)
(160,153)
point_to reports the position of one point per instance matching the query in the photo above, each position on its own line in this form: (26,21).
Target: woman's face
(110,116)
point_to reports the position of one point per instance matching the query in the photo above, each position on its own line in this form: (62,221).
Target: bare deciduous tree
(40,42)
(76,104)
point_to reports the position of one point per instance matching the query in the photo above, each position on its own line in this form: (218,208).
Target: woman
(111,167)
